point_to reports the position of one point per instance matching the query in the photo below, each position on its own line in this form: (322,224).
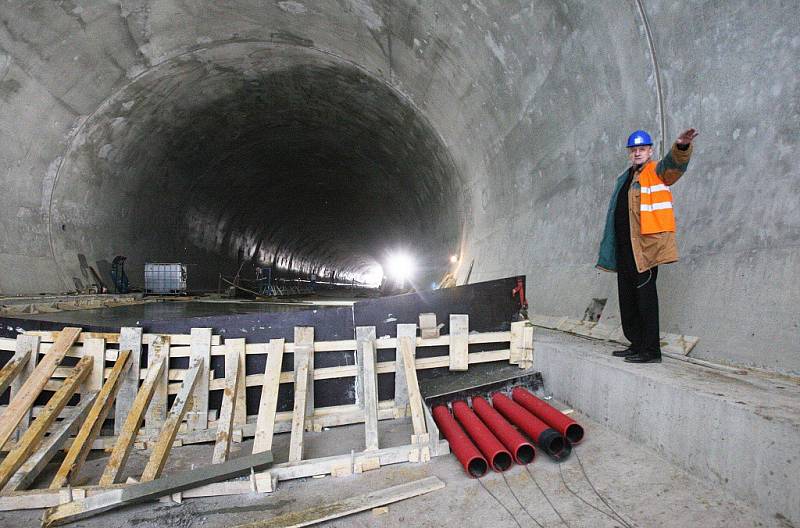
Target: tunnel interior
(261,154)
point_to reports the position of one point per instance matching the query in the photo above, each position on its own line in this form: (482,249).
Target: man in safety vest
(640,235)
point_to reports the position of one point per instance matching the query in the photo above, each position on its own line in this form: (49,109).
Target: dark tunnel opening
(271,155)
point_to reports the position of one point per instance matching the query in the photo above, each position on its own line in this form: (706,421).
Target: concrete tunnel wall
(322,134)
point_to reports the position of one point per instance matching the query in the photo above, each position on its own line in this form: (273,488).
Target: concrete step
(740,432)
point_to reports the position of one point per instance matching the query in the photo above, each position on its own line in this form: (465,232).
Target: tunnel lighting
(453,259)
(373,276)
(400,266)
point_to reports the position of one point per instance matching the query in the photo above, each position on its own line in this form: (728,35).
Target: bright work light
(400,266)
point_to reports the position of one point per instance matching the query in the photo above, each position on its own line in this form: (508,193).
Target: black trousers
(638,307)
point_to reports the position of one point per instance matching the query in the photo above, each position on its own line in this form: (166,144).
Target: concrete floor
(644,488)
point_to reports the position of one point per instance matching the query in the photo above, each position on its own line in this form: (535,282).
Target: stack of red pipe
(484,436)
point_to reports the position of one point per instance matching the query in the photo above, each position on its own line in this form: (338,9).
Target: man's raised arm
(674,164)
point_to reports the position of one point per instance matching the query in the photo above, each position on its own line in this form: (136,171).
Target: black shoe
(644,358)
(624,353)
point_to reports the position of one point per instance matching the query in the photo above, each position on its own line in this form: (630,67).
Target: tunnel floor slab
(639,484)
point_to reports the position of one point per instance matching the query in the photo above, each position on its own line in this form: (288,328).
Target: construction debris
(153,489)
(343,508)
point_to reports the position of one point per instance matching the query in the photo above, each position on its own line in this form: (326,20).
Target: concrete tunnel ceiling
(275,154)
(490,127)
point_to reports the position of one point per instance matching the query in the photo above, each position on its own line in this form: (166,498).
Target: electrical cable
(583,470)
(499,502)
(546,497)
(610,516)
(520,502)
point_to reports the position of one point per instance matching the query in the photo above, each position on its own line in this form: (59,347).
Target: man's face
(641,154)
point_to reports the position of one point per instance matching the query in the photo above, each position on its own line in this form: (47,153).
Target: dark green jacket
(648,250)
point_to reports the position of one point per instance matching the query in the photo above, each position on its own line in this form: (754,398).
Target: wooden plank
(24,344)
(365,337)
(517,342)
(265,426)
(702,363)
(427,326)
(114,338)
(222,441)
(151,490)
(365,340)
(349,506)
(163,446)
(157,410)
(119,455)
(12,369)
(240,409)
(304,337)
(459,341)
(348,344)
(349,371)
(95,348)
(197,417)
(130,338)
(182,349)
(48,336)
(400,384)
(181,339)
(32,438)
(23,400)
(433,432)
(414,396)
(33,345)
(302,360)
(358,382)
(527,346)
(90,429)
(52,444)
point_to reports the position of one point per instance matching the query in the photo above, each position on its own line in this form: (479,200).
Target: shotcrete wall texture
(319,135)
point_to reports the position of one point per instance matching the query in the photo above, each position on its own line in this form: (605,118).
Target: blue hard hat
(639,138)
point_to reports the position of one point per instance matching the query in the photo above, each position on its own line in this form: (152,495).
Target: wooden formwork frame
(189,419)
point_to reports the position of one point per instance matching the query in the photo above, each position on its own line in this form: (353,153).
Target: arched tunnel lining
(275,154)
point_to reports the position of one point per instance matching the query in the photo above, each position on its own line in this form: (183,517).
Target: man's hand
(687,136)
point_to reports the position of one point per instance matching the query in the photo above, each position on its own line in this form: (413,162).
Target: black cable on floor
(546,497)
(520,502)
(610,516)
(499,502)
(583,470)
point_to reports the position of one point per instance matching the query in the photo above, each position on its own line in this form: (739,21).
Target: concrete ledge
(741,432)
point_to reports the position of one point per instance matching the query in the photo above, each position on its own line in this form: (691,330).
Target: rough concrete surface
(640,485)
(317,136)
(740,432)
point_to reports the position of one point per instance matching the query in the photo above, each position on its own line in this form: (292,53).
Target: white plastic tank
(165,278)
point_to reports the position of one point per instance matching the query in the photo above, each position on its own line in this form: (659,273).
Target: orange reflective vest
(656,202)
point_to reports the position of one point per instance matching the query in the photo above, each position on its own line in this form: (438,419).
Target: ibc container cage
(164,278)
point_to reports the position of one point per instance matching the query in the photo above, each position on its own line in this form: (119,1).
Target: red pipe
(460,444)
(562,423)
(497,455)
(523,451)
(546,437)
